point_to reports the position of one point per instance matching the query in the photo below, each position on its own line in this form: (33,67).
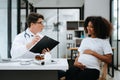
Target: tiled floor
(116,76)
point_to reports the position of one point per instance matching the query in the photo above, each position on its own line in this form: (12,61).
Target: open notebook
(44,43)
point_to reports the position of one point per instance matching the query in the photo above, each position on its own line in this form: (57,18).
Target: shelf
(75,25)
(81,28)
(79,34)
(77,38)
(74,36)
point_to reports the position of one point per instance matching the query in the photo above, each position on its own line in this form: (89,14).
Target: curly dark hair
(33,17)
(102,26)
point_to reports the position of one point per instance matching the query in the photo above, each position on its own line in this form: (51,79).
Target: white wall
(57,3)
(97,8)
(3,33)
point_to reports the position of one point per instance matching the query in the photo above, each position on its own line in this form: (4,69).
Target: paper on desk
(5,60)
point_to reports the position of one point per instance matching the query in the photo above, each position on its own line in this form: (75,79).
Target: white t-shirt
(101,46)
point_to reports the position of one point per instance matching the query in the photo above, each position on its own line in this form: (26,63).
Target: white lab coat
(19,49)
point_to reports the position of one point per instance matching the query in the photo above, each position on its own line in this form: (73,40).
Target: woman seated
(93,48)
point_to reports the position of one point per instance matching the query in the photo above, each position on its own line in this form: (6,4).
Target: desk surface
(61,64)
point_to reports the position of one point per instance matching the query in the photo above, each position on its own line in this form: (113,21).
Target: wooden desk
(16,71)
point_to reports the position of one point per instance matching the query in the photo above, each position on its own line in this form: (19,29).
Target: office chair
(103,73)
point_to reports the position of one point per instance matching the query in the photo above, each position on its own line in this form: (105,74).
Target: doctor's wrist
(29,45)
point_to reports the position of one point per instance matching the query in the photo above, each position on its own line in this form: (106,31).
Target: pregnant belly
(88,60)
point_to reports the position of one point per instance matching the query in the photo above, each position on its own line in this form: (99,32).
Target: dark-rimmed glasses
(42,22)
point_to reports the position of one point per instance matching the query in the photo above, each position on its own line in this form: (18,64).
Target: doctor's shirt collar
(29,32)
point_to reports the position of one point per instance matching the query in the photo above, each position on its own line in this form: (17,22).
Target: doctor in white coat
(26,39)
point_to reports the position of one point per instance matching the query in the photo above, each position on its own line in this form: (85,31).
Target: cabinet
(75,34)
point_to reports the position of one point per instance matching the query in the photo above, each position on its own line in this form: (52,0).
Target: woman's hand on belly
(88,51)
(79,65)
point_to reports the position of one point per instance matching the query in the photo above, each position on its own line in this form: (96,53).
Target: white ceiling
(57,3)
(47,3)
(4,4)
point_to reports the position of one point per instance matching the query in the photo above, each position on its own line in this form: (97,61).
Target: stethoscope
(26,35)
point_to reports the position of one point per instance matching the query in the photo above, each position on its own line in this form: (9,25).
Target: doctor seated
(25,40)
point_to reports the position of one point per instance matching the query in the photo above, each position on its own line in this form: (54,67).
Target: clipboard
(44,43)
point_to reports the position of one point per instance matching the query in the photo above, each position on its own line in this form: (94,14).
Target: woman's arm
(107,58)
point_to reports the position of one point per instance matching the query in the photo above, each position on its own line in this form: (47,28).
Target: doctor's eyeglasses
(42,22)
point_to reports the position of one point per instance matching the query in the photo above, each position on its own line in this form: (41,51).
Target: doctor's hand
(79,65)
(45,50)
(34,40)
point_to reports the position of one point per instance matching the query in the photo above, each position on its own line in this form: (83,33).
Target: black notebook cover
(44,43)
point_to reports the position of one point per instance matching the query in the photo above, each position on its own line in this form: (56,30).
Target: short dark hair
(33,17)
(102,26)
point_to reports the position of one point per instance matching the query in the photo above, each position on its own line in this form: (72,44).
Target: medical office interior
(64,23)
